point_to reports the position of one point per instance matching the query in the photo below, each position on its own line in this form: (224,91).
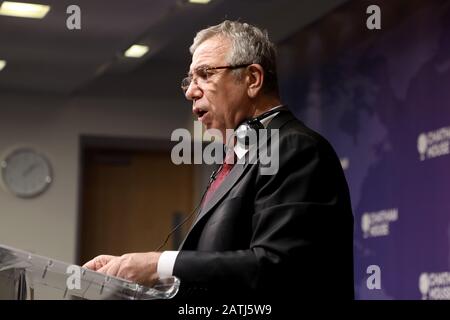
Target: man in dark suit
(286,233)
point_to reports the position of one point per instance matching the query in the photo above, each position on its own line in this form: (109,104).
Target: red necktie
(221,175)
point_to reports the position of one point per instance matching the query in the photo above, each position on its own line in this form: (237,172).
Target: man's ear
(255,79)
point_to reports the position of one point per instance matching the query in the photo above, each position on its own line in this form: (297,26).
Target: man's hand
(136,267)
(98,262)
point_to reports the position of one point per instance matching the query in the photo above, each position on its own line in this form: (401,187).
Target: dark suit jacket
(266,236)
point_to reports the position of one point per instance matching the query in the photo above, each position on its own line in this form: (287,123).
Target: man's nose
(193,92)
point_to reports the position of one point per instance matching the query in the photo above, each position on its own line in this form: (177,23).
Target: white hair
(249,45)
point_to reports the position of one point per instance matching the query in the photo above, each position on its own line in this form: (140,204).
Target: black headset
(242,131)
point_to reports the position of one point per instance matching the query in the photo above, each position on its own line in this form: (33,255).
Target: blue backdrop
(382,98)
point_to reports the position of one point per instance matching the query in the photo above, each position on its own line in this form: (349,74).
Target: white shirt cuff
(166,263)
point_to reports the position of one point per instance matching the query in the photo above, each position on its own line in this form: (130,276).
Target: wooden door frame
(109,142)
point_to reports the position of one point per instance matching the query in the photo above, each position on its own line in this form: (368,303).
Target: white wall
(47,225)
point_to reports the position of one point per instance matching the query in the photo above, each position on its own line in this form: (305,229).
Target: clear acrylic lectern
(21,272)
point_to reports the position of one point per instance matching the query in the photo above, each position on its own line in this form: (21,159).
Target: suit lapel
(234,175)
(238,170)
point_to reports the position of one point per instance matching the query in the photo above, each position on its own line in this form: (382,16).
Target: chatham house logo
(377,224)
(435,286)
(434,144)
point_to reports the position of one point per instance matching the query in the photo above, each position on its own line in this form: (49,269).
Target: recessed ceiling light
(2,64)
(23,10)
(136,51)
(199,1)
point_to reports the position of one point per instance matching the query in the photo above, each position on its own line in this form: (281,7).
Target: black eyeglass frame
(186,82)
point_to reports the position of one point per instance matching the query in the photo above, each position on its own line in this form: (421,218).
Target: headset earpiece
(243,130)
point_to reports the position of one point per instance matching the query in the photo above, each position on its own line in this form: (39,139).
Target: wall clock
(26,173)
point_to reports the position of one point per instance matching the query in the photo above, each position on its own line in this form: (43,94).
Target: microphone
(212,177)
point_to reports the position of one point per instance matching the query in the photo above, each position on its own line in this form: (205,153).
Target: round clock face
(26,173)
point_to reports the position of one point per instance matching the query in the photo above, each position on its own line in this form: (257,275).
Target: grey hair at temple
(249,45)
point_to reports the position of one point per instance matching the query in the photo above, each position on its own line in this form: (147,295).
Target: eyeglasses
(202,74)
